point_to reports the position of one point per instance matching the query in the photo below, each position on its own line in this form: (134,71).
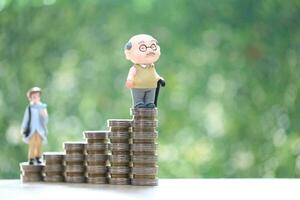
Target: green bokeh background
(231,107)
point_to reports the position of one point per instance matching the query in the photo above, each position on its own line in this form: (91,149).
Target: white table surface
(168,189)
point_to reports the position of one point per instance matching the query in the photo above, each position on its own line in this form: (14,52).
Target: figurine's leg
(149,98)
(31,150)
(138,96)
(38,148)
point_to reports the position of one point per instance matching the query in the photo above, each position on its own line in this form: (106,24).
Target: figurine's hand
(162,82)
(129,83)
(43,113)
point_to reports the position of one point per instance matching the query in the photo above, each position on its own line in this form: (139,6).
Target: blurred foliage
(231,107)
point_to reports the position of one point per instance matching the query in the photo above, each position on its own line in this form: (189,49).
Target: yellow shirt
(145,77)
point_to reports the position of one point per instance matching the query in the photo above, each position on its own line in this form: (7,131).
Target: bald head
(142,49)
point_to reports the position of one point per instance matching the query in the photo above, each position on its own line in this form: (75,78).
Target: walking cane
(162,83)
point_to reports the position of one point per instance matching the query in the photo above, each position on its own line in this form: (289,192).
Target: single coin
(144,147)
(24,166)
(140,124)
(53,168)
(96,169)
(75,179)
(101,134)
(144,135)
(119,123)
(119,170)
(119,181)
(144,182)
(74,146)
(37,178)
(144,158)
(119,147)
(54,179)
(74,168)
(145,170)
(97,180)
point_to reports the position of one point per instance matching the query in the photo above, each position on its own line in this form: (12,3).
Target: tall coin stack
(96,156)
(74,162)
(31,173)
(54,167)
(144,147)
(119,170)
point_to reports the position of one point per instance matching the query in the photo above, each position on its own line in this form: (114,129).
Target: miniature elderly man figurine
(34,126)
(143,51)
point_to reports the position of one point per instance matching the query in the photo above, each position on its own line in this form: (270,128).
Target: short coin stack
(144,147)
(74,162)
(120,151)
(54,167)
(96,156)
(31,173)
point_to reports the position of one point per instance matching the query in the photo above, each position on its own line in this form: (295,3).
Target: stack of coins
(144,147)
(119,170)
(96,156)
(31,173)
(54,167)
(74,162)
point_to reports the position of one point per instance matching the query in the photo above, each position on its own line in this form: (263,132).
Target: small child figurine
(143,51)
(34,126)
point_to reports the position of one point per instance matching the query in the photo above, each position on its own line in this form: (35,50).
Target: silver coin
(37,178)
(53,168)
(75,179)
(144,147)
(96,169)
(119,158)
(144,158)
(74,157)
(143,112)
(119,147)
(144,182)
(145,170)
(119,181)
(144,135)
(119,169)
(140,124)
(101,134)
(53,156)
(31,168)
(119,135)
(74,146)
(97,180)
(96,157)
(119,123)
(96,147)
(74,168)
(54,178)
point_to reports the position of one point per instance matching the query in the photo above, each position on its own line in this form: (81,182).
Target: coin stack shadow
(119,158)
(74,162)
(96,156)
(54,166)
(31,173)
(144,147)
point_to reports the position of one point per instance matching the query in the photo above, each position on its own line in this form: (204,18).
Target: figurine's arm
(25,121)
(130,77)
(158,77)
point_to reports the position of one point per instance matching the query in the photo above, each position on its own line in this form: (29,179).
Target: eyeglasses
(143,47)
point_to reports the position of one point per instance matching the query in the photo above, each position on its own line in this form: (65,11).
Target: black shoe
(140,105)
(30,162)
(150,105)
(37,159)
